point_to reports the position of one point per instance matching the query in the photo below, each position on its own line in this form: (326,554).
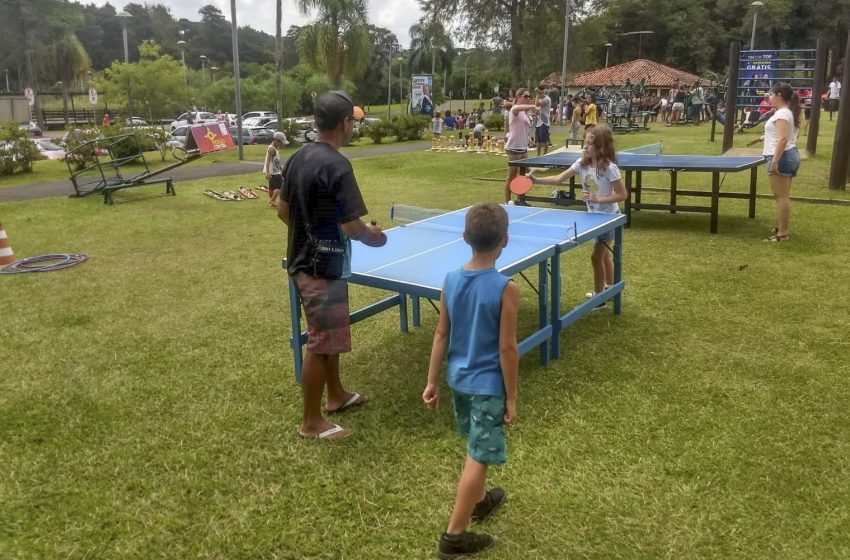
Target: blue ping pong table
(417,256)
(634,164)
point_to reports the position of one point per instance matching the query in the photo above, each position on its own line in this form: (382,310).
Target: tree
(428,39)
(156,80)
(70,61)
(338,42)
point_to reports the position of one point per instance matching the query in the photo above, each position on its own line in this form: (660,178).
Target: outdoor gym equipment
(96,166)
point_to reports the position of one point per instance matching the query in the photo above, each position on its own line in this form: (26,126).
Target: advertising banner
(421,102)
(208,138)
(756,73)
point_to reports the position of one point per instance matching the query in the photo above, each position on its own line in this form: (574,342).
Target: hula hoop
(33,264)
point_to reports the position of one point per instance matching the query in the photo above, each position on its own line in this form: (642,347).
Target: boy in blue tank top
(478,317)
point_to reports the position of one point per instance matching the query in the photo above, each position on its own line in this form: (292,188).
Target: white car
(261,114)
(199,117)
(255,122)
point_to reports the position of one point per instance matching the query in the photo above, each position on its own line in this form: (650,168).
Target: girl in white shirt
(603,190)
(780,151)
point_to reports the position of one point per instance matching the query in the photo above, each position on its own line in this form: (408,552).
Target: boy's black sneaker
(493,500)
(464,544)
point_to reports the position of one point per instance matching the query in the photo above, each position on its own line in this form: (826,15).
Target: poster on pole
(30,95)
(757,72)
(421,102)
(93,96)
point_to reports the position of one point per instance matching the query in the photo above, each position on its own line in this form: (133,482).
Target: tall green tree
(70,62)
(429,41)
(338,42)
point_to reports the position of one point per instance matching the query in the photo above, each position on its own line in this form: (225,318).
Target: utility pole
(564,60)
(236,77)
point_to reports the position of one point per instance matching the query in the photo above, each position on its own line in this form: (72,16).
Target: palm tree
(338,42)
(70,61)
(429,38)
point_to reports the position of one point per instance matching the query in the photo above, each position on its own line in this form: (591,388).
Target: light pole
(564,60)
(640,35)
(182,44)
(400,81)
(203,69)
(214,69)
(7,81)
(124,17)
(235,39)
(465,64)
(755,6)
(389,80)
(607,49)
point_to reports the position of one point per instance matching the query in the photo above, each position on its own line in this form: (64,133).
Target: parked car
(307,130)
(31,127)
(200,117)
(135,121)
(256,121)
(261,114)
(264,135)
(248,135)
(178,136)
(49,150)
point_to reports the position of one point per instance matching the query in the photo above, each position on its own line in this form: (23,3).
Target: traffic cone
(7,256)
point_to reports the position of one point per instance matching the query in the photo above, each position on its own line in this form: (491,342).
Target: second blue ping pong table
(635,163)
(417,256)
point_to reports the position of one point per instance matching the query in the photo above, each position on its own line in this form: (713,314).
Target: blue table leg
(295,322)
(618,267)
(555,302)
(543,303)
(416,315)
(402,312)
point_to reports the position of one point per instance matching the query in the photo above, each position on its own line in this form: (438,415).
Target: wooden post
(731,96)
(841,150)
(820,75)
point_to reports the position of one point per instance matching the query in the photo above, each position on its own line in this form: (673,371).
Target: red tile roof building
(656,76)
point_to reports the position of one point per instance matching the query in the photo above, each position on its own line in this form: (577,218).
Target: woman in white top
(519,123)
(780,151)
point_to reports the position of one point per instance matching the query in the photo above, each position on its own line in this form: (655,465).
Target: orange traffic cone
(7,256)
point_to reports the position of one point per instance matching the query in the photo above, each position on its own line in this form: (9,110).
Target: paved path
(65,188)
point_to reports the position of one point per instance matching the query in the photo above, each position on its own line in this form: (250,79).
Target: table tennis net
(405,214)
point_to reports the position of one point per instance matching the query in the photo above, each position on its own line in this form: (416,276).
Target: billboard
(421,102)
(208,138)
(756,74)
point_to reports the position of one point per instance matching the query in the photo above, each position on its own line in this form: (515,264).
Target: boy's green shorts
(480,419)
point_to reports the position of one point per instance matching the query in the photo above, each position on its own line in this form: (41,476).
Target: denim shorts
(606,238)
(480,420)
(541,134)
(789,163)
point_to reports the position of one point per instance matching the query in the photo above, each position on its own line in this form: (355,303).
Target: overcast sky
(395,15)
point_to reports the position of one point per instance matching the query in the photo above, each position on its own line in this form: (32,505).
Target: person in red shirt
(105,121)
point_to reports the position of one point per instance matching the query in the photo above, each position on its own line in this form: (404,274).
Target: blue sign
(757,73)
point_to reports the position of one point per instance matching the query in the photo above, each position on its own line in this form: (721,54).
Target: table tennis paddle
(380,242)
(521,184)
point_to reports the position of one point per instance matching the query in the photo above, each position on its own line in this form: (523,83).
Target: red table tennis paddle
(380,242)
(521,184)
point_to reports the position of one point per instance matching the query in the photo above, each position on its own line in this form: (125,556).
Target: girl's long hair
(789,96)
(606,154)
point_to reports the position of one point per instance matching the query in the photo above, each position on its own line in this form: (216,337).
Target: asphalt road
(65,188)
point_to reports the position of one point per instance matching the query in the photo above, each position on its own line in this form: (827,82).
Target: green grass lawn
(148,407)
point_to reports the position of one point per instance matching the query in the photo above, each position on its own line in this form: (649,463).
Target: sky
(395,15)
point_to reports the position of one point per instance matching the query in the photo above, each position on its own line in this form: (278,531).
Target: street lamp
(203,69)
(640,35)
(214,69)
(182,44)
(607,49)
(756,6)
(125,17)
(389,81)
(564,59)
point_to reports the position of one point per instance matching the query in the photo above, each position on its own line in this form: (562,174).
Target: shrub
(291,129)
(495,122)
(409,127)
(17,151)
(74,140)
(376,131)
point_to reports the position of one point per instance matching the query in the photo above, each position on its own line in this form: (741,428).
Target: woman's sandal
(776,238)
